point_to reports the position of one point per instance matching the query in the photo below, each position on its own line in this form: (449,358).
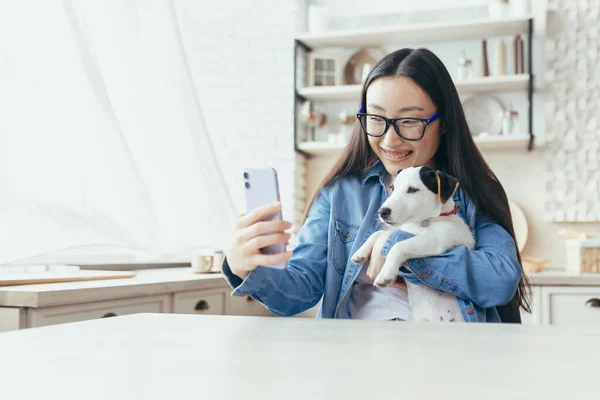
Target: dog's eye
(412,190)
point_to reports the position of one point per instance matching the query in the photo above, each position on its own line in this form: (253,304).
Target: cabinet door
(12,318)
(572,305)
(199,302)
(535,318)
(101,309)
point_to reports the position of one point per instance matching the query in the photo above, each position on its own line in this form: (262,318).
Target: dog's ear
(439,183)
(429,178)
(447,186)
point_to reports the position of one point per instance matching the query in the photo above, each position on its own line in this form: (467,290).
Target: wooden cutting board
(28,278)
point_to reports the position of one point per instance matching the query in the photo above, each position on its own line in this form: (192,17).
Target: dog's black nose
(384,213)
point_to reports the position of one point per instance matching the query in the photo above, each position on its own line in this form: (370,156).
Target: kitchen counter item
(534,265)
(583,255)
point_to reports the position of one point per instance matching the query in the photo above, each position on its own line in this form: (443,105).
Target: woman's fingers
(254,245)
(377,260)
(261,228)
(258,214)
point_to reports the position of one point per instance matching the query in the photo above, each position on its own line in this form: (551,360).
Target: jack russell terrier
(421,203)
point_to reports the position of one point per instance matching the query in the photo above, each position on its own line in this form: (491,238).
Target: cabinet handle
(593,303)
(202,305)
(108,315)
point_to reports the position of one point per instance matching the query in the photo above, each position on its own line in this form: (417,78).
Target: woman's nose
(391,137)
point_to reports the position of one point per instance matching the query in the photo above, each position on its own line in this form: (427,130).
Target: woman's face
(398,97)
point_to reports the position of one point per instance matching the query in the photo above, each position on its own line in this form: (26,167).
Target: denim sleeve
(300,286)
(487,275)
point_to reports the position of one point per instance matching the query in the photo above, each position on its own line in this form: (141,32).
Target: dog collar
(448,213)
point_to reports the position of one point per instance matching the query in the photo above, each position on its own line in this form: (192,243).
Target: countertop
(168,280)
(170,356)
(560,278)
(146,283)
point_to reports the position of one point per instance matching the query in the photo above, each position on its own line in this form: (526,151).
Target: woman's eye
(375,120)
(409,122)
(412,190)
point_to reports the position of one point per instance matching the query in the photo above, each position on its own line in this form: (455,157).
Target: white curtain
(102,138)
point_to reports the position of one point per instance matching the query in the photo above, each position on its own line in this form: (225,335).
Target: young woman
(410,114)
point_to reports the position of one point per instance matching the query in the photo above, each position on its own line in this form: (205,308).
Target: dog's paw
(382,282)
(360,257)
(386,276)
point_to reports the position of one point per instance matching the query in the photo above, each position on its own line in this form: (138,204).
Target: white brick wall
(241,59)
(572,162)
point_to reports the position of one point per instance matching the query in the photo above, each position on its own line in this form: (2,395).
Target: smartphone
(262,187)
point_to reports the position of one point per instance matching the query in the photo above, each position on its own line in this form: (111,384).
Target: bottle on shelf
(500,58)
(485,68)
(518,56)
(465,68)
(509,123)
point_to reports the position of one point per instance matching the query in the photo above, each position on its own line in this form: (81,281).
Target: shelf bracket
(530,88)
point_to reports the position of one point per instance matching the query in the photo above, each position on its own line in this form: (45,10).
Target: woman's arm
(487,275)
(300,286)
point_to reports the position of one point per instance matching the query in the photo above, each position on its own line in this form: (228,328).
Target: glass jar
(510,123)
(465,68)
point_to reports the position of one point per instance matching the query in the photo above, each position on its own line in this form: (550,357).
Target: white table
(166,356)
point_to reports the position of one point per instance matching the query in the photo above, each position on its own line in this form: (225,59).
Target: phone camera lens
(246,175)
(247,185)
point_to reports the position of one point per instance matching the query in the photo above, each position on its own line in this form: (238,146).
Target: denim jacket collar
(378,169)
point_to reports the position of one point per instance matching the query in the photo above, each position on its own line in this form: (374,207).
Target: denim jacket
(341,219)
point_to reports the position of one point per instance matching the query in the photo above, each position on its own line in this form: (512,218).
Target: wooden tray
(28,278)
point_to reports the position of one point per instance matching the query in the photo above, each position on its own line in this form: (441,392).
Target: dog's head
(419,193)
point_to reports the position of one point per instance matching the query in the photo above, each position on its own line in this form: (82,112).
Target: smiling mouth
(397,155)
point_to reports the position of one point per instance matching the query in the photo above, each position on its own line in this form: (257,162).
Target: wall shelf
(506,83)
(416,33)
(484,143)
(412,34)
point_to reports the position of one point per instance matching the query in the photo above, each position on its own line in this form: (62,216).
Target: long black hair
(457,151)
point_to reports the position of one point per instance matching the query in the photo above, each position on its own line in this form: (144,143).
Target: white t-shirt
(370,302)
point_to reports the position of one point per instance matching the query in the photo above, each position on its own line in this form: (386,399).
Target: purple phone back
(262,187)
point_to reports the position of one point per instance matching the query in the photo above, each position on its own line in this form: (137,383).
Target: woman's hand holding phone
(253,233)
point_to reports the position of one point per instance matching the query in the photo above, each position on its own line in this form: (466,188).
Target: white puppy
(421,204)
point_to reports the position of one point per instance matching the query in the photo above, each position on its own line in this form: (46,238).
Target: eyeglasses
(407,128)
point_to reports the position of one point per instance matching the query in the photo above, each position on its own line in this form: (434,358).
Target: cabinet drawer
(199,302)
(246,305)
(102,309)
(571,306)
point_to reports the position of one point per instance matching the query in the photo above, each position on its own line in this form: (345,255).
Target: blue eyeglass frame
(392,121)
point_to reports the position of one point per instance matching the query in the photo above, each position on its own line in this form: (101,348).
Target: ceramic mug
(217,261)
(202,262)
